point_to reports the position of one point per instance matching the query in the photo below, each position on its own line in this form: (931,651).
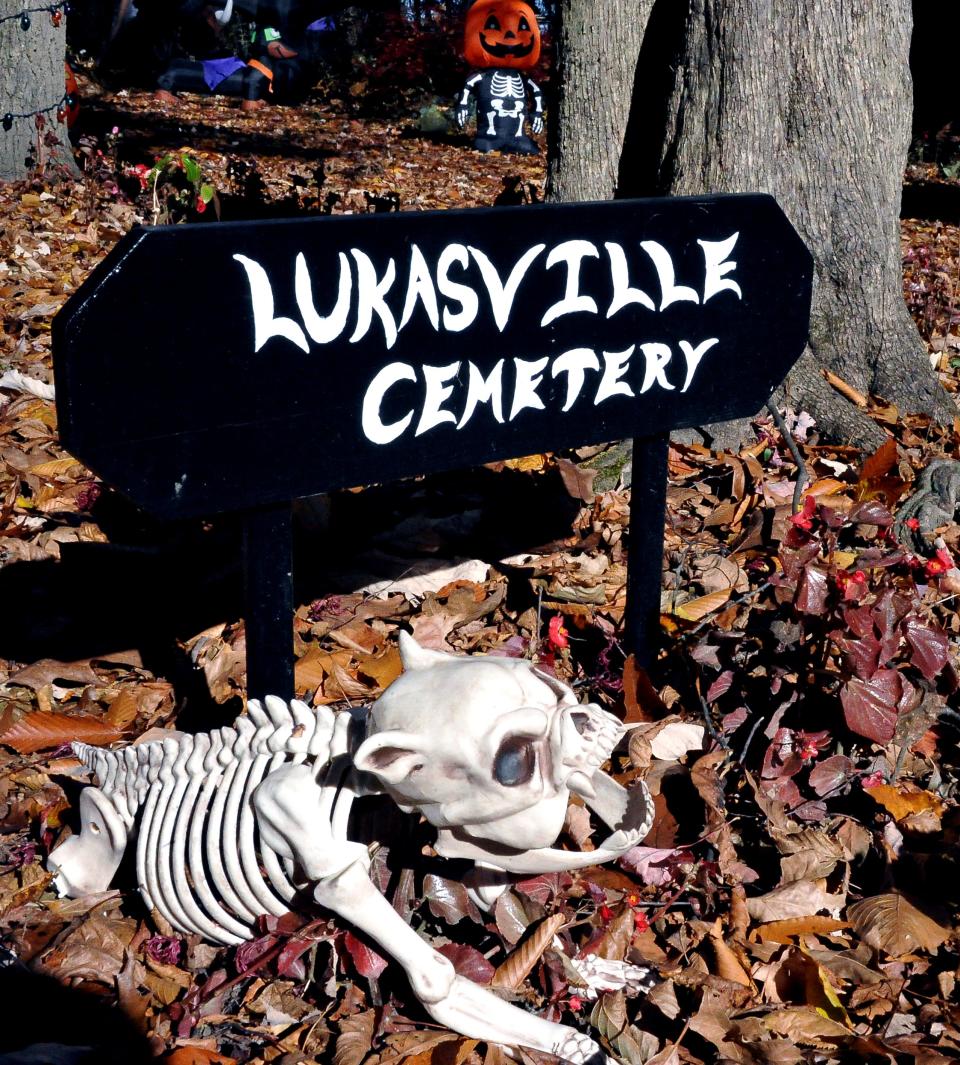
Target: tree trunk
(31,80)
(598,45)
(808,100)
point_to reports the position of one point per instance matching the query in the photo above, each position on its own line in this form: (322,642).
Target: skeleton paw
(579,1050)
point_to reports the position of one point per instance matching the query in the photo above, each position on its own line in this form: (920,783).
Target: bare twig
(802,476)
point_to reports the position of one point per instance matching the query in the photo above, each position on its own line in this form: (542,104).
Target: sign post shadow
(352,350)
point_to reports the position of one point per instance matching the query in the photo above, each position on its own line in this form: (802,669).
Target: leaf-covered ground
(797,898)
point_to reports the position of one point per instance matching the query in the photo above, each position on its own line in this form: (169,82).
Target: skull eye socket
(515,761)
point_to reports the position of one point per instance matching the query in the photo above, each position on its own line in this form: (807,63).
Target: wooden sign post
(239,366)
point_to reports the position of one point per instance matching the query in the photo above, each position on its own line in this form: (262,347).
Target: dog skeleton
(488,750)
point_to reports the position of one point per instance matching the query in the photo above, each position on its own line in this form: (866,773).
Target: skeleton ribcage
(507,86)
(201,861)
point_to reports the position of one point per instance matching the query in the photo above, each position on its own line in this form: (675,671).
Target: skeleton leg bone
(460,1004)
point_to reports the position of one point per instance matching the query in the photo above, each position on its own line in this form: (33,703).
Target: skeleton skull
(489,746)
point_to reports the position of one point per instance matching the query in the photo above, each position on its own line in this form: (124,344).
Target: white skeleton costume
(502,110)
(237,822)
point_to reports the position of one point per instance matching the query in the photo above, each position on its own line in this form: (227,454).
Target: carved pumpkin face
(502,33)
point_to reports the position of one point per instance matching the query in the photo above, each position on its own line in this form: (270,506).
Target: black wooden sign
(365,349)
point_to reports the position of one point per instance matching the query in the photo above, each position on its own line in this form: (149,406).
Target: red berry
(575,1002)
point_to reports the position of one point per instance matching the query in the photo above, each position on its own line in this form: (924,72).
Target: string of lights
(56,12)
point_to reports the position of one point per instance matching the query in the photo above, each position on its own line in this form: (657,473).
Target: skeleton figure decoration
(503,38)
(238,822)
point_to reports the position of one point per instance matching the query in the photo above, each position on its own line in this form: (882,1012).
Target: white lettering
(374,427)
(370,298)
(480,390)
(420,287)
(502,296)
(323,330)
(573,363)
(657,356)
(616,364)
(462,294)
(693,355)
(265,325)
(623,294)
(669,291)
(571,252)
(529,377)
(715,254)
(437,392)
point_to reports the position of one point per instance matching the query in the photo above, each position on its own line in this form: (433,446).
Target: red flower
(940,563)
(873,780)
(912,523)
(809,744)
(633,900)
(803,519)
(575,1002)
(640,922)
(557,635)
(605,913)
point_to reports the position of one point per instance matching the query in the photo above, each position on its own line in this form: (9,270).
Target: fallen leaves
(519,964)
(891,923)
(42,731)
(828,695)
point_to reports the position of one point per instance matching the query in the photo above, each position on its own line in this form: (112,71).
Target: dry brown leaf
(384,669)
(785,931)
(410,1046)
(355,1040)
(42,730)
(726,963)
(801,899)
(190,1055)
(54,468)
(804,1025)
(697,609)
(124,709)
(48,670)
(825,486)
(517,967)
(892,924)
(904,799)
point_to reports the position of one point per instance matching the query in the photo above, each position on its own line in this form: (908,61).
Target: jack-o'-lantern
(502,33)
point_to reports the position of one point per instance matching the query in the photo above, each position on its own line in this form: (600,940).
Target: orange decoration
(73,91)
(502,33)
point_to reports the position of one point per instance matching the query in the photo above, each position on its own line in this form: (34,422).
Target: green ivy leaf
(206,193)
(191,169)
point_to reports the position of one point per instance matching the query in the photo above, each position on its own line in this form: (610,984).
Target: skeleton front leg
(452,1000)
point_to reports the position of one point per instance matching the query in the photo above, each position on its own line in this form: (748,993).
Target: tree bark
(31,80)
(809,100)
(598,44)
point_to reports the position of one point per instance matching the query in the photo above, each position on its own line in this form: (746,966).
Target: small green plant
(179,192)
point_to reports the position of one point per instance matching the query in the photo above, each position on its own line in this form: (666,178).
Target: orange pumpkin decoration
(502,33)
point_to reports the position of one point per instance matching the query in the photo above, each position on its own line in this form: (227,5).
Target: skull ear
(413,656)
(391,756)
